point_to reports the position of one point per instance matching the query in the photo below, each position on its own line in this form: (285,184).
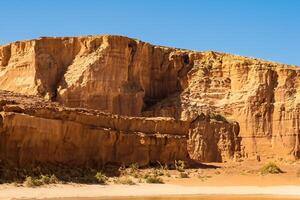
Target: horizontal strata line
(270,137)
(106,128)
(275,120)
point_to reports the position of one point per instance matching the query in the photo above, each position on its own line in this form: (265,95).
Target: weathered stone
(128,77)
(33,130)
(213,141)
(47,133)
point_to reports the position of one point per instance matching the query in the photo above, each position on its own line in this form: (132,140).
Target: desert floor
(234,178)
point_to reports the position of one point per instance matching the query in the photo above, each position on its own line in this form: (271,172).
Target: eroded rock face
(129,77)
(213,141)
(261,96)
(109,73)
(35,131)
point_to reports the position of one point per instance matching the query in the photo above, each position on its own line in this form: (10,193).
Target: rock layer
(33,130)
(129,77)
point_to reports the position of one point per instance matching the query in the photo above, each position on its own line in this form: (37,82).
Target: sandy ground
(227,178)
(10,192)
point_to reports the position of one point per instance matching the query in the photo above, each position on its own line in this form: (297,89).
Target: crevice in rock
(133,48)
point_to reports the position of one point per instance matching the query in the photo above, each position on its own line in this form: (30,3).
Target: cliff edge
(255,101)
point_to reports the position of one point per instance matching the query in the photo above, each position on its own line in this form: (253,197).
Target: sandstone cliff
(33,130)
(211,140)
(109,73)
(129,77)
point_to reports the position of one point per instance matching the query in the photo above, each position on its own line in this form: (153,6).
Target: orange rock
(33,130)
(43,132)
(128,77)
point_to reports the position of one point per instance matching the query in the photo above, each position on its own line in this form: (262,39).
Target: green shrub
(32,182)
(158,172)
(134,173)
(146,175)
(270,168)
(101,178)
(163,170)
(163,167)
(154,179)
(132,170)
(53,179)
(45,179)
(134,167)
(125,181)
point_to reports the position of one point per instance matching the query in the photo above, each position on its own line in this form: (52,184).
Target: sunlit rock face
(109,73)
(255,101)
(261,96)
(33,130)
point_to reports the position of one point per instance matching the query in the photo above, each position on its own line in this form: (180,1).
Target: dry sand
(76,191)
(228,179)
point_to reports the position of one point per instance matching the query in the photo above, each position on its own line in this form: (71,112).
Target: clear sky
(268,29)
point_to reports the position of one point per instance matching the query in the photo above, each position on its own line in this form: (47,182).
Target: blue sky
(267,29)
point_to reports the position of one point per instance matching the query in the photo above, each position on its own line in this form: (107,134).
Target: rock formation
(255,101)
(211,140)
(109,73)
(33,130)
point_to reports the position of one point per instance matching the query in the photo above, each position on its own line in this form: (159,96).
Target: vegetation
(125,180)
(134,167)
(270,168)
(32,182)
(163,167)
(151,176)
(50,174)
(179,165)
(42,180)
(154,179)
(47,174)
(163,170)
(101,178)
(46,179)
(131,175)
(158,172)
(134,170)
